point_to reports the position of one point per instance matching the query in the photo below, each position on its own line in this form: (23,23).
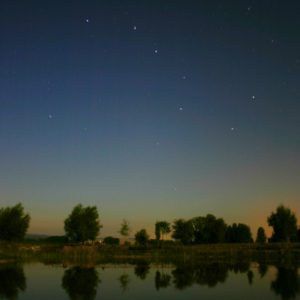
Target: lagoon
(209,280)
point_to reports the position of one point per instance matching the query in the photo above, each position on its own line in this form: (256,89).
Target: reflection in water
(250,276)
(262,269)
(206,274)
(81,283)
(12,281)
(240,267)
(142,269)
(124,281)
(162,280)
(287,282)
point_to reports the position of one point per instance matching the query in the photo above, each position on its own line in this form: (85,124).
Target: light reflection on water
(209,280)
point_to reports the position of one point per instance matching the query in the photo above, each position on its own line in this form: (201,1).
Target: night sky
(151,110)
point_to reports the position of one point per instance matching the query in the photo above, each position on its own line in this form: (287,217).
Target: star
(181,108)
(155,51)
(232,128)
(50,116)
(253,97)
(183,77)
(87,20)
(134,27)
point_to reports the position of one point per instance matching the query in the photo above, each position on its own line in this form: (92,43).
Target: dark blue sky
(149,109)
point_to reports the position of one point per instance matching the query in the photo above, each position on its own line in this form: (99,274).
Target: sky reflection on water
(210,280)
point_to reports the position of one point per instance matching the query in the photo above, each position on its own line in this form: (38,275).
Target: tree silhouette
(82,224)
(142,237)
(261,236)
(238,233)
(161,228)
(81,283)
(14,223)
(284,223)
(183,231)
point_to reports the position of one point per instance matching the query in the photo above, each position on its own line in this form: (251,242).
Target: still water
(144,281)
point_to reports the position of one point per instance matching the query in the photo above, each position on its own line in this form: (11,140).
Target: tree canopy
(82,224)
(261,236)
(161,228)
(142,237)
(14,223)
(284,223)
(238,233)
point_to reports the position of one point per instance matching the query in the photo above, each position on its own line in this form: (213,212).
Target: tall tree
(238,233)
(261,236)
(142,237)
(14,223)
(183,231)
(161,228)
(284,223)
(82,224)
(209,229)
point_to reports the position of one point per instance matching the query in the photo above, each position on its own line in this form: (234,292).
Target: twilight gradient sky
(151,110)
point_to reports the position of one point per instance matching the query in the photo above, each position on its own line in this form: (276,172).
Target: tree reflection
(211,274)
(124,281)
(287,282)
(142,269)
(206,274)
(12,281)
(162,280)
(262,269)
(183,277)
(81,283)
(250,277)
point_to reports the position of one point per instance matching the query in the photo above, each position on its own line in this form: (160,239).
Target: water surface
(142,280)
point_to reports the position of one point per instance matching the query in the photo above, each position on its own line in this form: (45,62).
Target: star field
(149,109)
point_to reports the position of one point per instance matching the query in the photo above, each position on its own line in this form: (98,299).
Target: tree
(125,229)
(183,231)
(109,240)
(209,229)
(142,237)
(161,228)
(14,223)
(261,236)
(82,224)
(238,233)
(284,223)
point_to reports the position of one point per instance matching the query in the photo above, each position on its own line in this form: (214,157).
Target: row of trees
(83,224)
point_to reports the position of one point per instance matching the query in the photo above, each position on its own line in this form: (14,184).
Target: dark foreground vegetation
(169,252)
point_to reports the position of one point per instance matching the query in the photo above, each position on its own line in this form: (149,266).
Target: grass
(59,253)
